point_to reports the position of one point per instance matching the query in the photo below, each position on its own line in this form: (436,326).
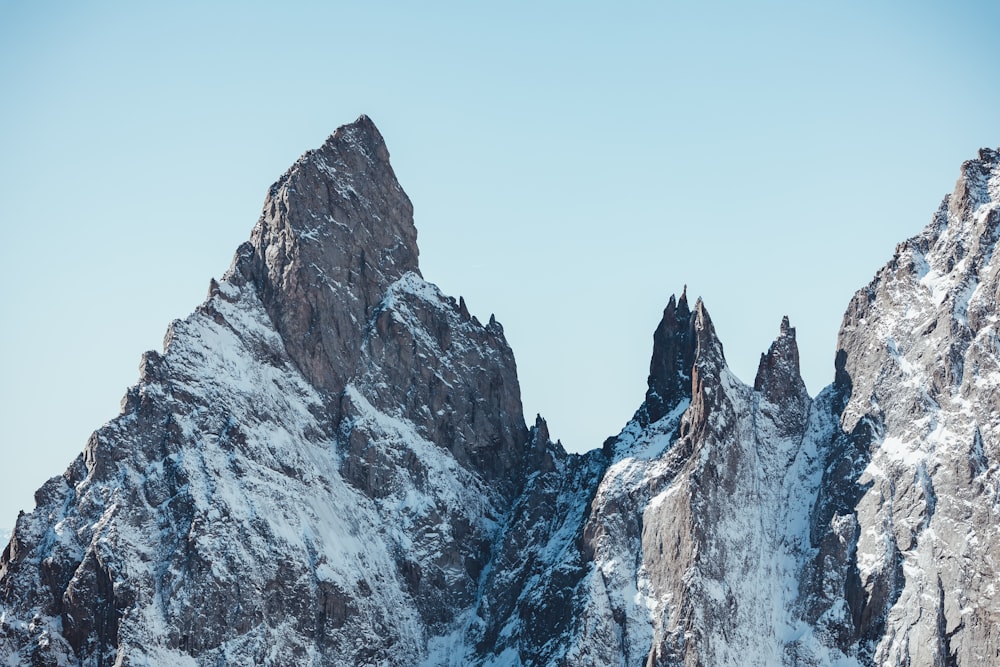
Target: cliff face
(918,358)
(329,464)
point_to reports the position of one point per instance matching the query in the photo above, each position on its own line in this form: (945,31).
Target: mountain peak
(708,346)
(778,374)
(683,340)
(336,231)
(362,135)
(977,184)
(673,355)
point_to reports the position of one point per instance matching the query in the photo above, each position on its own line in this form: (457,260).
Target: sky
(571,165)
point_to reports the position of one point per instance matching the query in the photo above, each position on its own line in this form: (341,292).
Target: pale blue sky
(571,165)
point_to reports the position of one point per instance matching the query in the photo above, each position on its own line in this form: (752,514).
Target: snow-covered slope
(329,465)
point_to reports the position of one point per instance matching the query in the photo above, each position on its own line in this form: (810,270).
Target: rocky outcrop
(328,464)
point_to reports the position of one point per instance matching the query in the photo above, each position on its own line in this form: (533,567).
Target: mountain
(329,465)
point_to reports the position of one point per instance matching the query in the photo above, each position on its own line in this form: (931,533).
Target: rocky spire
(708,347)
(785,399)
(709,362)
(673,355)
(686,350)
(778,372)
(336,231)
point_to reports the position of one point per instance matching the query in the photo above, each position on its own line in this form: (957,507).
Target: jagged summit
(778,371)
(673,356)
(336,231)
(683,341)
(708,348)
(362,133)
(976,185)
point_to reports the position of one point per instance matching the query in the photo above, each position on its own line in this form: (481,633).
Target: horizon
(570,169)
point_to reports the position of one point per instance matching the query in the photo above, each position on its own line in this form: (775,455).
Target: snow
(907,453)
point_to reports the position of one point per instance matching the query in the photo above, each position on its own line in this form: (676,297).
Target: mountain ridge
(329,464)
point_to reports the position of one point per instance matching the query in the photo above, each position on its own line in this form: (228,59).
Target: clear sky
(571,164)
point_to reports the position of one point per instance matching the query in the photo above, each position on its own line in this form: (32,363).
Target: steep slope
(920,359)
(314,469)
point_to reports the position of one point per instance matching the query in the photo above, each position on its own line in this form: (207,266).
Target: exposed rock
(336,231)
(673,357)
(328,464)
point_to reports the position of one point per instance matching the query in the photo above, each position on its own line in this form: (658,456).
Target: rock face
(329,465)
(918,497)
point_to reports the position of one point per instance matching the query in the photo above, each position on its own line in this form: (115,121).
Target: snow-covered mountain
(329,465)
